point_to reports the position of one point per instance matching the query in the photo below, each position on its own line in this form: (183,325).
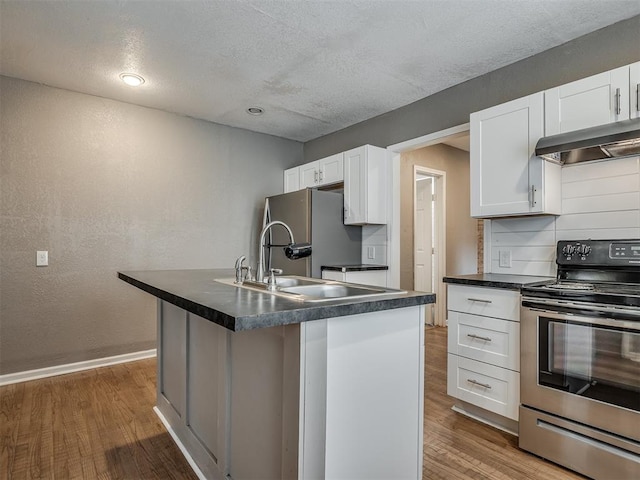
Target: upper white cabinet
(321,172)
(591,101)
(634,90)
(314,174)
(363,170)
(506,176)
(364,186)
(292,179)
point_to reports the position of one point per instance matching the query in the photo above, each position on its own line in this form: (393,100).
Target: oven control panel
(598,252)
(624,250)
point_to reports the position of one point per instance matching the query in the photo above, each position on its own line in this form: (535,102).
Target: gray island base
(328,391)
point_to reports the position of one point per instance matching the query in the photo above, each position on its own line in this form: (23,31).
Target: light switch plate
(42,258)
(505,259)
(371,253)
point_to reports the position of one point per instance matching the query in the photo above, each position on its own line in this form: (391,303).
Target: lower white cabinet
(493,388)
(483,361)
(485,339)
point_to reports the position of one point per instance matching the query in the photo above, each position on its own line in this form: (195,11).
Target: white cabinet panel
(486,339)
(588,102)
(506,177)
(308,175)
(365,186)
(492,388)
(488,302)
(292,179)
(330,169)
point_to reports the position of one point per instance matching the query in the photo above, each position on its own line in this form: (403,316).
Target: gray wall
(461,229)
(108,186)
(608,48)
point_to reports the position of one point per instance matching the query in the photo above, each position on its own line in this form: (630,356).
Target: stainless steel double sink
(315,290)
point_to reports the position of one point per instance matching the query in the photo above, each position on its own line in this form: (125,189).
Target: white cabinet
(506,176)
(634,90)
(588,102)
(376,278)
(322,172)
(365,170)
(292,179)
(483,367)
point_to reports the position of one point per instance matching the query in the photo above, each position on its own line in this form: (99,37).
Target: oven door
(582,367)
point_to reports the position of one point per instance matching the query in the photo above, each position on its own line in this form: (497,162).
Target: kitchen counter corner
(496,280)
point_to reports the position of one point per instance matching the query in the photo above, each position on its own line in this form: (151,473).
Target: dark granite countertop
(496,280)
(353,268)
(242,309)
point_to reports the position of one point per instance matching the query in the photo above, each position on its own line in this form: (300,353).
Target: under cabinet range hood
(619,139)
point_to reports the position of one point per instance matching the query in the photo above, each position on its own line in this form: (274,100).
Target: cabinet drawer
(492,388)
(488,302)
(489,340)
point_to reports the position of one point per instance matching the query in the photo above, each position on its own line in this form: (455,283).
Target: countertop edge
(496,282)
(279,318)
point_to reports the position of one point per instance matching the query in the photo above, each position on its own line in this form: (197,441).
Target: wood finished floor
(100,424)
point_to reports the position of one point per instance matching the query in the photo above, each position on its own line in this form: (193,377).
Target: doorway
(429,238)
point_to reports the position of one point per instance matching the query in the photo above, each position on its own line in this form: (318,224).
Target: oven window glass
(592,361)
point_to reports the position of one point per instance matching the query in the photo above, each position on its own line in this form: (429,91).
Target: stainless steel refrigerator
(315,216)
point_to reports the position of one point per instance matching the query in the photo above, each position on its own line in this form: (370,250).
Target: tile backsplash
(374,244)
(600,200)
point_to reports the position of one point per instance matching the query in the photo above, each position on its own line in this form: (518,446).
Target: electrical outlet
(505,258)
(371,253)
(42,258)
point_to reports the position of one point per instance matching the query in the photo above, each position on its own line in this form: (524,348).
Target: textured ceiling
(314,66)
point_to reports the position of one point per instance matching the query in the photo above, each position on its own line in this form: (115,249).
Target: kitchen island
(256,385)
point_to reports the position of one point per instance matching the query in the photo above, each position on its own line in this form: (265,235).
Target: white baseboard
(74,367)
(180,445)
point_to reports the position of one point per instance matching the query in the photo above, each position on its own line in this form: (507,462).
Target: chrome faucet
(260,274)
(243,272)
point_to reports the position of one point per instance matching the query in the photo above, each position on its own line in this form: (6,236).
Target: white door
(309,175)
(429,240)
(423,236)
(330,169)
(503,140)
(291,180)
(591,101)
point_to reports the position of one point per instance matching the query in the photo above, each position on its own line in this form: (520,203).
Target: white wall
(600,200)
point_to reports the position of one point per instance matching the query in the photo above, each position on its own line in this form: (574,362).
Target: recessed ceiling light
(132,79)
(255,110)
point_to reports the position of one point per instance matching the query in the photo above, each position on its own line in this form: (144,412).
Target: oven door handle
(546,306)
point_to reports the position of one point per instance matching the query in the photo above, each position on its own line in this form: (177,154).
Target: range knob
(583,250)
(568,250)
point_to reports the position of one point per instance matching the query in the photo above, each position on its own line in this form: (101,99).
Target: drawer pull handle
(475,382)
(472,335)
(479,300)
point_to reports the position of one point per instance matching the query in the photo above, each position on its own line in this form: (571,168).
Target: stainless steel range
(580,361)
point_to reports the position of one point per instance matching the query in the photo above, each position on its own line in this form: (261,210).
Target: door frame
(393,198)
(440,243)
